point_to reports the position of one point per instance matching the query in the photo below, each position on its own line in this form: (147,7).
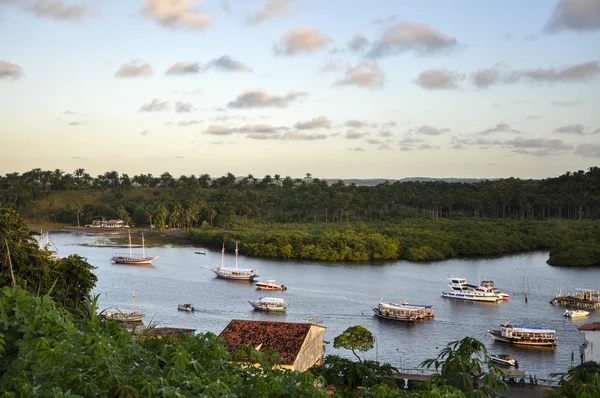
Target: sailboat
(135,259)
(125,317)
(241,274)
(45,244)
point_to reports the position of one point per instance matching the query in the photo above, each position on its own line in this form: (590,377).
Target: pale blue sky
(432,88)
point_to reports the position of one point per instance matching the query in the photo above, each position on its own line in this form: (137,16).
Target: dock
(581,299)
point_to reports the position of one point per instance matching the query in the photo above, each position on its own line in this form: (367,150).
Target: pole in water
(526,297)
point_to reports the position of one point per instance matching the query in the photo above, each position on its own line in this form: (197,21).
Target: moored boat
(460,289)
(270,285)
(186,307)
(527,336)
(131,258)
(242,274)
(124,317)
(490,285)
(504,359)
(576,313)
(398,312)
(269,304)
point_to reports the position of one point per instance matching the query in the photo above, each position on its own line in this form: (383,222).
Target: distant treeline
(190,201)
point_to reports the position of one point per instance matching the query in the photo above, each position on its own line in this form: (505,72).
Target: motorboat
(490,285)
(460,289)
(522,335)
(242,274)
(186,307)
(270,285)
(131,258)
(504,359)
(576,313)
(400,312)
(269,304)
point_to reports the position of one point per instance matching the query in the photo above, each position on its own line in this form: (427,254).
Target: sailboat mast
(223,256)
(143,247)
(134,302)
(236,254)
(130,254)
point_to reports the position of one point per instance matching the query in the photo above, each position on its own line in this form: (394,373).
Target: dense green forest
(310,218)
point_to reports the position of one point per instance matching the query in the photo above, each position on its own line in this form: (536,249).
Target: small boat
(269,304)
(504,359)
(241,274)
(576,313)
(125,317)
(186,307)
(398,312)
(460,289)
(490,285)
(270,285)
(133,259)
(202,252)
(521,335)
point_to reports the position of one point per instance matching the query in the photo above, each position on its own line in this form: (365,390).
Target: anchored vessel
(270,285)
(505,359)
(460,289)
(269,304)
(524,335)
(186,307)
(134,259)
(402,312)
(490,285)
(125,317)
(576,313)
(243,274)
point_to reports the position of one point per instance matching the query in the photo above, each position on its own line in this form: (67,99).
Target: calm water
(343,295)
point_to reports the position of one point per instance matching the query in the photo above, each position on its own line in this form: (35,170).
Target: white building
(590,350)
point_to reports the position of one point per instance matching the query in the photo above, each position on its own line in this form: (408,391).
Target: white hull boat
(269,304)
(524,336)
(504,359)
(576,313)
(133,259)
(270,285)
(235,273)
(461,290)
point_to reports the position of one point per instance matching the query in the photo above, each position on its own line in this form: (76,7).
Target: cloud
(484,78)
(262,136)
(303,39)
(176,14)
(155,106)
(358,43)
(565,103)
(577,128)
(262,99)
(366,74)
(183,68)
(430,130)
(315,123)
(433,79)
(220,130)
(53,9)
(11,71)
(533,117)
(189,122)
(135,68)
(357,149)
(588,150)
(499,128)
(573,73)
(355,123)
(578,15)
(67,112)
(77,123)
(407,36)
(228,64)
(183,107)
(374,141)
(301,136)
(537,143)
(271,9)
(331,65)
(354,135)
(144,132)
(258,128)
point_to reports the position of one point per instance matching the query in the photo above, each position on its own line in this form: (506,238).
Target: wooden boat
(242,274)
(504,359)
(133,259)
(270,285)
(125,317)
(576,313)
(186,307)
(427,311)
(398,312)
(269,304)
(524,336)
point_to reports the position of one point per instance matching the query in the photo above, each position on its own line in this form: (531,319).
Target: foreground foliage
(581,381)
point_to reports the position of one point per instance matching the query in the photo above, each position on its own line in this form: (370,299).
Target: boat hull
(236,277)
(510,362)
(471,297)
(268,308)
(265,286)
(124,317)
(133,260)
(497,336)
(576,313)
(383,315)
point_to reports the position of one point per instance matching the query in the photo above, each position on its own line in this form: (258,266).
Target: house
(590,350)
(113,224)
(96,222)
(299,344)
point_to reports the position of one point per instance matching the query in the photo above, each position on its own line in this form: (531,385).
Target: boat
(202,252)
(521,335)
(504,359)
(490,285)
(186,307)
(460,289)
(427,311)
(134,259)
(398,312)
(242,274)
(46,244)
(576,313)
(124,317)
(269,304)
(270,285)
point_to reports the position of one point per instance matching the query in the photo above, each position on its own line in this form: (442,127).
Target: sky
(334,88)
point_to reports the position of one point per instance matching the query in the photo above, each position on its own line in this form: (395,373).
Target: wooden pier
(582,299)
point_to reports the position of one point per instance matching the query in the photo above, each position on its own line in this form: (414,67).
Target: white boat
(270,285)
(125,317)
(134,259)
(427,311)
(47,245)
(576,313)
(269,304)
(243,274)
(521,335)
(398,312)
(460,289)
(504,359)
(186,307)
(490,285)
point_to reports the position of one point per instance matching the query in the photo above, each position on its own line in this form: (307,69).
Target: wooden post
(12,275)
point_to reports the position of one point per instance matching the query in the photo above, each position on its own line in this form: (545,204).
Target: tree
(355,338)
(77,209)
(580,381)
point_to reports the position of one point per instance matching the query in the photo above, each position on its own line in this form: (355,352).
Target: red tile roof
(285,337)
(590,326)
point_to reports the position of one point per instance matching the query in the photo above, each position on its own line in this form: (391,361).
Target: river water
(343,295)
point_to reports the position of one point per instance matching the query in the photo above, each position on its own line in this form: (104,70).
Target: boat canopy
(585,290)
(521,329)
(400,307)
